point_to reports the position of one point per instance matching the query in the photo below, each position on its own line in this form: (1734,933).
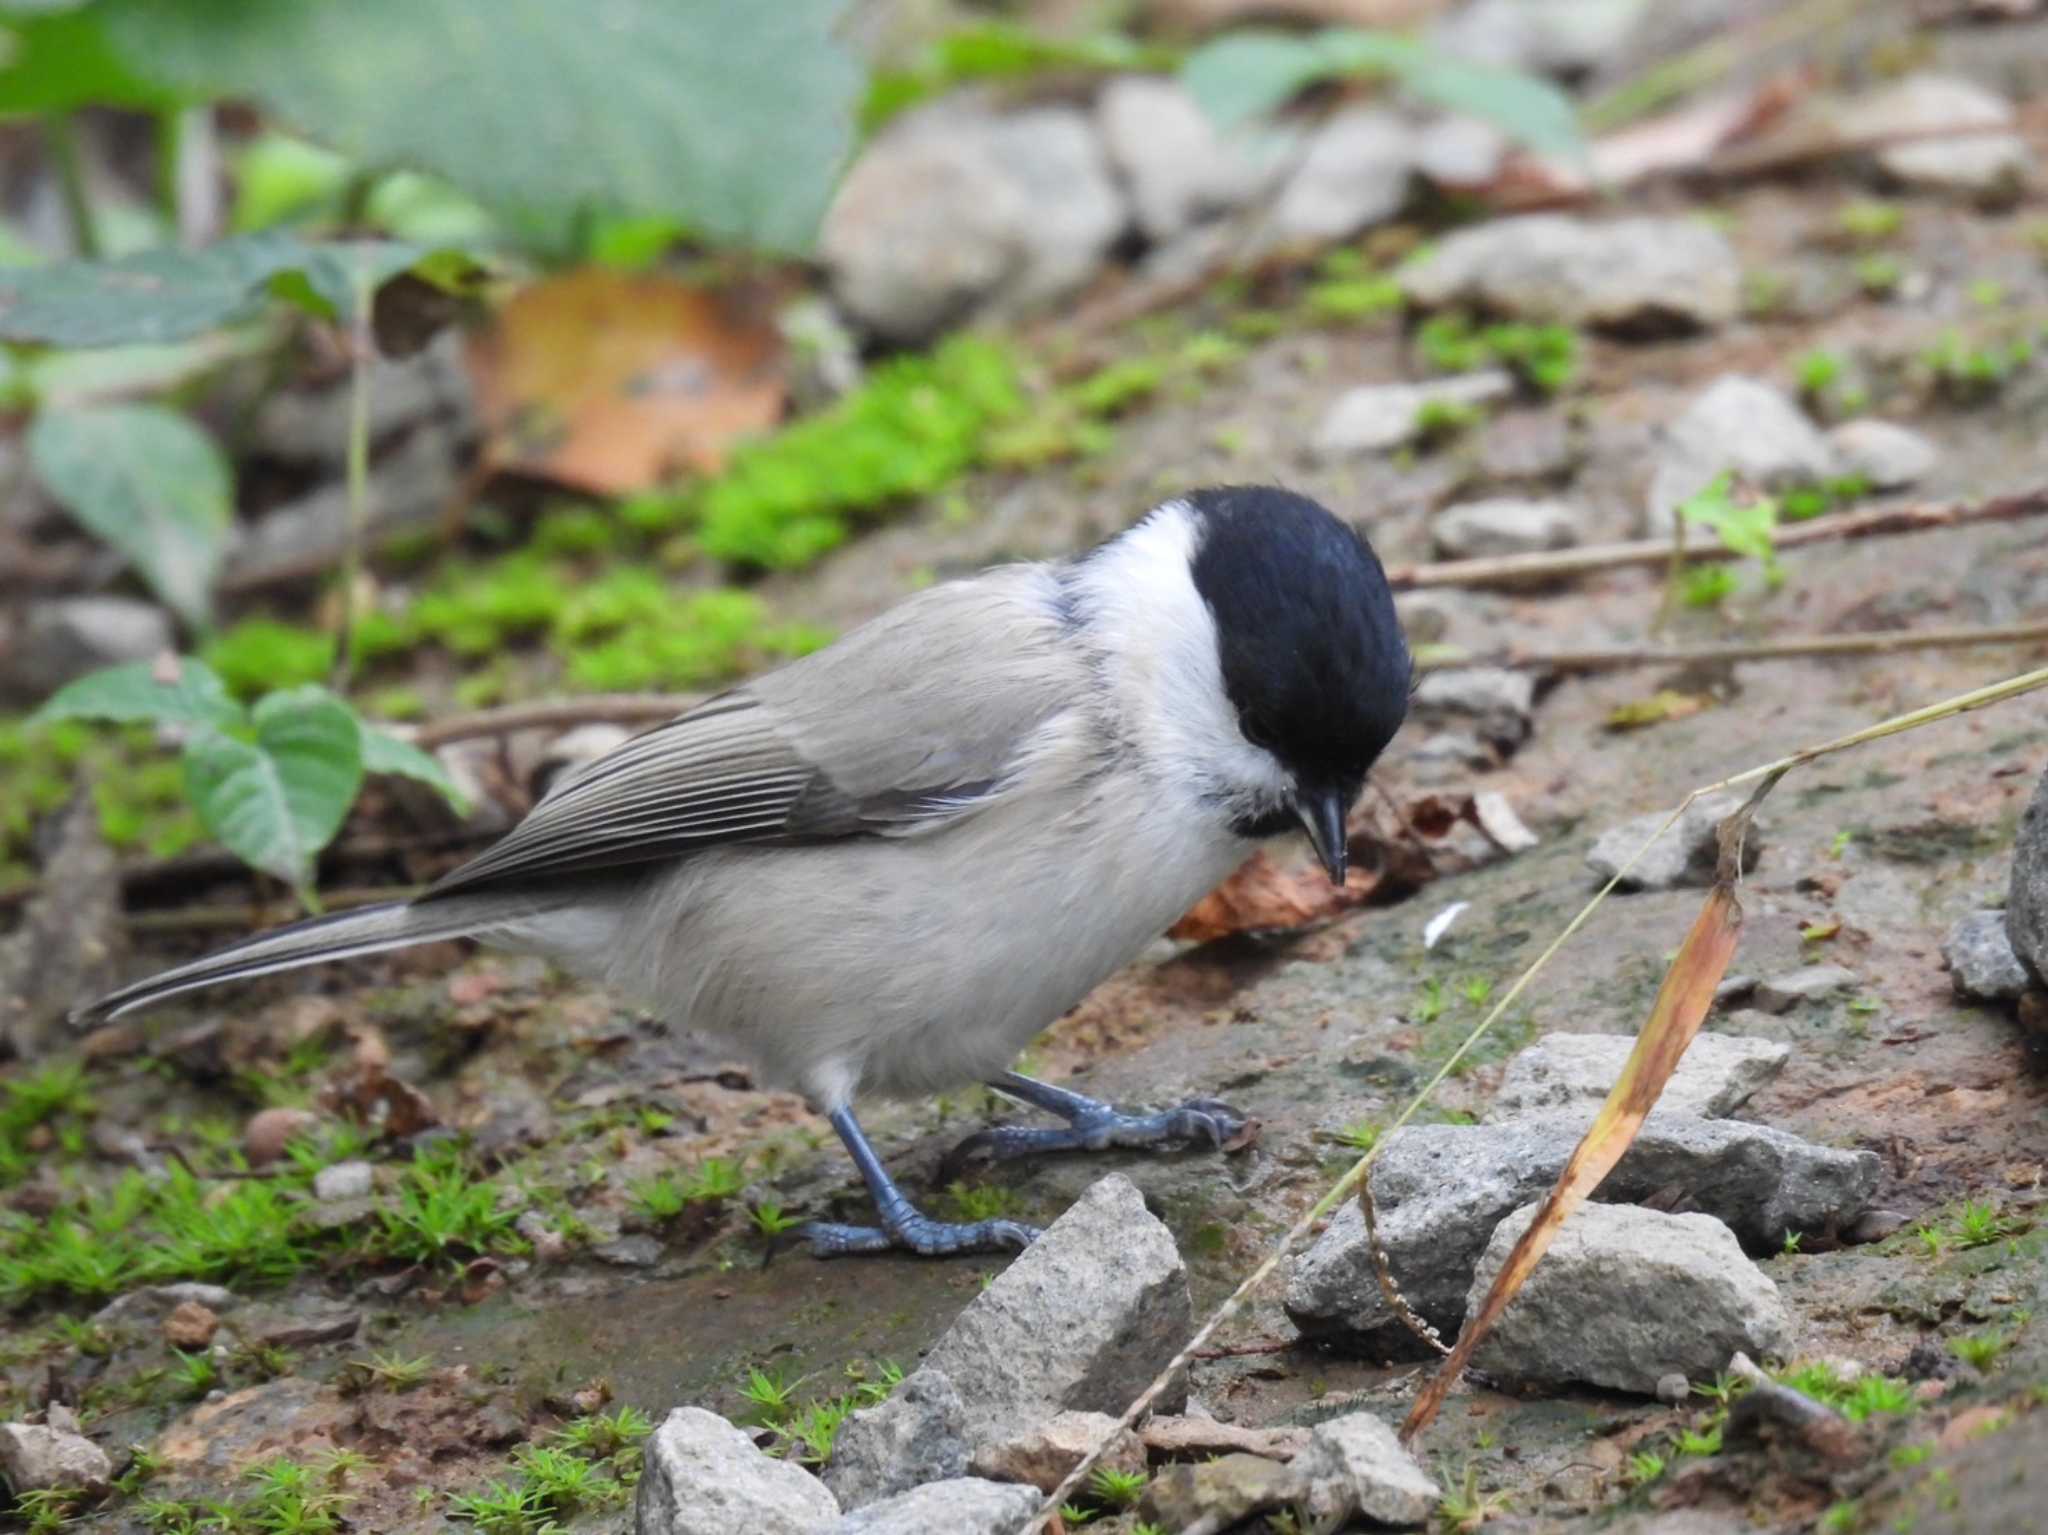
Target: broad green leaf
(151,484)
(54,58)
(1527,108)
(1242,75)
(154,297)
(276,801)
(732,117)
(384,753)
(279,178)
(326,283)
(146,693)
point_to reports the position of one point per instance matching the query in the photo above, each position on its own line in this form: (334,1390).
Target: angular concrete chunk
(1043,1456)
(961,1505)
(1625,1296)
(1981,959)
(1560,1072)
(1355,1465)
(916,1436)
(702,1476)
(1083,1319)
(1684,855)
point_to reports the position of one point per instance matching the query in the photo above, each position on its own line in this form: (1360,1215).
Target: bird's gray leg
(1092,1125)
(903,1226)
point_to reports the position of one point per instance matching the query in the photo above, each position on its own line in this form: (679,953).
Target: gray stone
(955,211)
(1809,983)
(47,644)
(1353,174)
(1627,274)
(1567,37)
(1178,169)
(1496,702)
(410,488)
(71,938)
(1625,1296)
(35,1457)
(1083,1319)
(702,1476)
(2026,903)
(1990,167)
(1376,418)
(297,1324)
(311,425)
(918,1435)
(1217,1494)
(148,1306)
(1684,855)
(1574,1072)
(1886,455)
(1041,1457)
(1356,1466)
(1461,153)
(1439,1190)
(344,1180)
(1741,424)
(961,1505)
(638,1251)
(1981,960)
(1504,525)
(1674,1390)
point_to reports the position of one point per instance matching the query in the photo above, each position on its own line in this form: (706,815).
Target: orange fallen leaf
(613,382)
(1264,897)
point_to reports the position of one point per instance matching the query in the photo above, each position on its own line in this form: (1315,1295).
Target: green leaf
(276,801)
(732,117)
(384,753)
(151,484)
(154,297)
(326,283)
(1246,74)
(1526,107)
(146,693)
(59,60)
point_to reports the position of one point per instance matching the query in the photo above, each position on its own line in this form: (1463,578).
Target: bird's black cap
(1313,657)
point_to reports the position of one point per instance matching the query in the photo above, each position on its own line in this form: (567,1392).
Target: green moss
(575,530)
(475,609)
(260,654)
(1544,357)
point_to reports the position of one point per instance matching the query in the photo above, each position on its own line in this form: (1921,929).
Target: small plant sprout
(1119,1489)
(1475,990)
(1645,1466)
(1869,222)
(1980,1350)
(770,1219)
(1792,1240)
(194,1374)
(394,1370)
(982,1201)
(1430,1005)
(1879,275)
(1700,1442)
(1073,1515)
(1464,1509)
(771,1395)
(659,1199)
(715,1179)
(1438,421)
(1359,1135)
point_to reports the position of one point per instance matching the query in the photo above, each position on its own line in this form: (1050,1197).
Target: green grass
(1119,1489)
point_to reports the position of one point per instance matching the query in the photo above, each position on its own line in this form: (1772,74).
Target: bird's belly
(908,966)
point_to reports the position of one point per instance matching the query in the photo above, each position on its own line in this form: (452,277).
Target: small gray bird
(884,868)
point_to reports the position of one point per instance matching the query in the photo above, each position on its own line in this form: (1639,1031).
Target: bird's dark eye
(1256,732)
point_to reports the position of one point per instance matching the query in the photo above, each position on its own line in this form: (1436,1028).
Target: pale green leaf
(151,484)
(151,298)
(276,801)
(1527,108)
(1246,74)
(187,692)
(734,117)
(384,753)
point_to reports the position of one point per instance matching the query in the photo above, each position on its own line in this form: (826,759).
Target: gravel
(1376,418)
(702,1476)
(1505,525)
(1625,1296)
(1560,1072)
(1684,855)
(1737,423)
(35,1457)
(1178,170)
(1354,173)
(344,1180)
(1982,962)
(47,644)
(1888,456)
(1496,703)
(1809,983)
(1356,1467)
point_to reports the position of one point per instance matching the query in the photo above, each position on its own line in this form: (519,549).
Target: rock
(71,939)
(1737,423)
(638,1251)
(1809,983)
(1981,959)
(1625,1296)
(1461,153)
(1216,1494)
(269,1131)
(35,1457)
(310,426)
(297,1325)
(1440,1190)
(222,1436)
(1551,37)
(49,643)
(1495,701)
(1180,1438)
(1378,417)
(917,1435)
(150,1305)
(344,1180)
(1354,174)
(191,1326)
(1887,456)
(2026,902)
(961,1505)
(1674,1390)
(1083,1319)
(1506,525)
(1043,1456)
(955,211)
(1684,855)
(1990,167)
(1560,1072)
(702,1476)
(1357,1467)
(1178,170)
(1656,274)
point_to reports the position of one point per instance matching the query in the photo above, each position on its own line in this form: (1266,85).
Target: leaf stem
(361,350)
(60,132)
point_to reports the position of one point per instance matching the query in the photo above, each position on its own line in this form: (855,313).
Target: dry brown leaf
(1264,897)
(1682,1004)
(613,382)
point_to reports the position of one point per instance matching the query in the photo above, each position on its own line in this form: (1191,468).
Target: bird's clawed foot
(917,1233)
(1095,1126)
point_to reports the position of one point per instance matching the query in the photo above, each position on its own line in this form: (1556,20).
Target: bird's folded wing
(867,738)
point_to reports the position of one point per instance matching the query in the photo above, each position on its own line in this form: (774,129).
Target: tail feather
(340,935)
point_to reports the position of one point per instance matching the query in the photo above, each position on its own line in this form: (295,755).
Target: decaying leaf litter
(1322,1037)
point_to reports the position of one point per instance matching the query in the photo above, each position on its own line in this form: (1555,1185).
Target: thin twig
(1912,517)
(1793,647)
(1355,1175)
(60,132)
(360,350)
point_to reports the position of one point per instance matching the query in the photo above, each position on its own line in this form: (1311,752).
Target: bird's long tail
(341,935)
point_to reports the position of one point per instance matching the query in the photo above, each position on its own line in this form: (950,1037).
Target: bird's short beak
(1322,817)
